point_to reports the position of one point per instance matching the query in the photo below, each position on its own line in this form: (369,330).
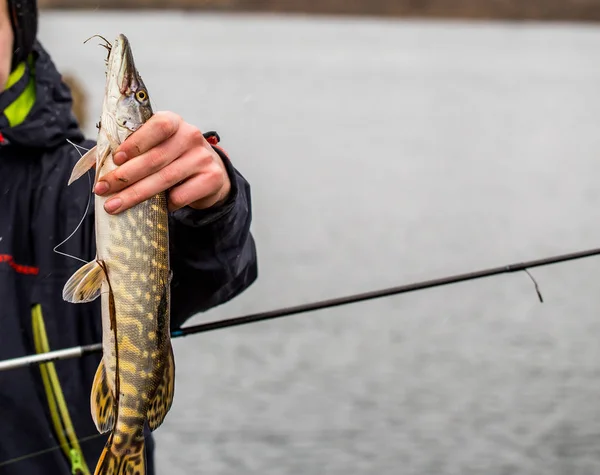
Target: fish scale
(135,299)
(134,383)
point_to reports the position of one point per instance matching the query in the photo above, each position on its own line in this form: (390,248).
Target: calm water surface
(383,152)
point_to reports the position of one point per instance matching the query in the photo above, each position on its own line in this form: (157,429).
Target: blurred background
(385,142)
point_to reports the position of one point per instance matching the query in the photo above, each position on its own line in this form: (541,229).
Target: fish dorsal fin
(102,401)
(86,162)
(85,284)
(163,398)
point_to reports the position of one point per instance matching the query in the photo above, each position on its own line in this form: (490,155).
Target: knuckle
(156,158)
(165,128)
(134,195)
(177,198)
(195,135)
(203,160)
(133,144)
(214,178)
(120,176)
(167,124)
(169,175)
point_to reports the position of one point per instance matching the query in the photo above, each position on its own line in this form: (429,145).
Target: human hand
(166,153)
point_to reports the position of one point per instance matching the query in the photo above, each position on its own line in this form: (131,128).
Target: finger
(202,190)
(157,129)
(149,186)
(142,166)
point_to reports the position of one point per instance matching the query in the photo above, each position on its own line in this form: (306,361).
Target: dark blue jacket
(213,260)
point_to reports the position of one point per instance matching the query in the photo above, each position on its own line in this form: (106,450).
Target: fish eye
(141,95)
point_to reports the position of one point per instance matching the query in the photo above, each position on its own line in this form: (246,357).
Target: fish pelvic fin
(102,401)
(119,459)
(86,162)
(163,398)
(85,284)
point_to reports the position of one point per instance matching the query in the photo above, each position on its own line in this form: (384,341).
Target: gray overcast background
(380,153)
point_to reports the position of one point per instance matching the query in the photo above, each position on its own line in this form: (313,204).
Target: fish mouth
(121,62)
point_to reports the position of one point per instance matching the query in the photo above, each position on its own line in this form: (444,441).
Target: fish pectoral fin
(114,145)
(105,153)
(83,164)
(85,284)
(102,401)
(163,398)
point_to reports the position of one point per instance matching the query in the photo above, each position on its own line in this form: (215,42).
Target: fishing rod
(79,351)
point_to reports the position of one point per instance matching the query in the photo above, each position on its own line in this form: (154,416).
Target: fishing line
(324,433)
(22,458)
(107,44)
(87,207)
(537,287)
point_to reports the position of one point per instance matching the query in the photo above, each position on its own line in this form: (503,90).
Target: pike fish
(134,383)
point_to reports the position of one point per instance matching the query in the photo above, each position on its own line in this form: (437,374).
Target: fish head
(126,100)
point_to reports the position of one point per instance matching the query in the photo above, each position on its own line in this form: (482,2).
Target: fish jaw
(126,102)
(120,71)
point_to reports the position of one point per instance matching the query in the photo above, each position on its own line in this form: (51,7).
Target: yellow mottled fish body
(134,383)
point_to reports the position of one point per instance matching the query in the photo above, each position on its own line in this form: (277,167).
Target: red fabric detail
(21,269)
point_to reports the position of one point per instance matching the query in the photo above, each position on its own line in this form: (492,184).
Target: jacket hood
(50,122)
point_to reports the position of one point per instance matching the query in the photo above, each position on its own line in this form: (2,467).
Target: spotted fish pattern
(135,381)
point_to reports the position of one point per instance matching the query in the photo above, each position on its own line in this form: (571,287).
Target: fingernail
(120,158)
(113,205)
(101,188)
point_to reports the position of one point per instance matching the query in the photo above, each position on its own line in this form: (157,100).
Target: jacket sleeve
(213,254)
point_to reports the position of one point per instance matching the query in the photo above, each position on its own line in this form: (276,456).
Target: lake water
(381,153)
